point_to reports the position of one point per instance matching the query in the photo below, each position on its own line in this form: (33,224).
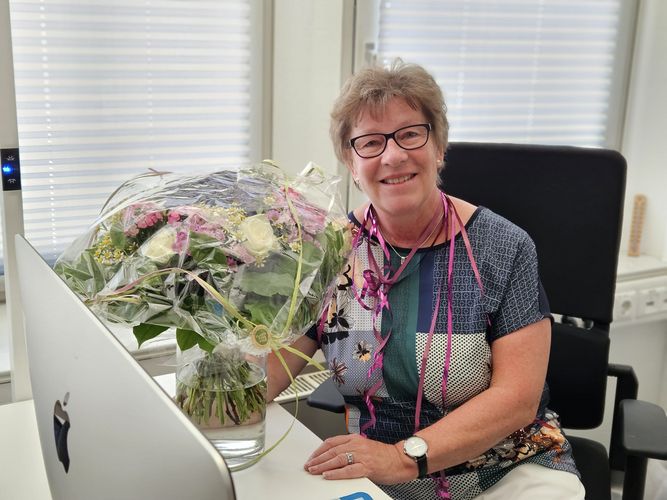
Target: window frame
(261,16)
(367,20)
(260,123)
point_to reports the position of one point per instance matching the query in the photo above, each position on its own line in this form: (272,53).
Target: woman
(441,302)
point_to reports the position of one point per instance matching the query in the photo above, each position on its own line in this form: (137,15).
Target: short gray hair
(371,88)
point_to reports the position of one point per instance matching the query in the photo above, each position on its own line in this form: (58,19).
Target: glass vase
(224,395)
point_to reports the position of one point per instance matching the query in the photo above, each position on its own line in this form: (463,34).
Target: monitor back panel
(107,430)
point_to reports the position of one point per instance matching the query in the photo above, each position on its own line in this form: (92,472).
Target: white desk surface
(278,475)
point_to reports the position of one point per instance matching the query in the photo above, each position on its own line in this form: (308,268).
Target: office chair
(570,201)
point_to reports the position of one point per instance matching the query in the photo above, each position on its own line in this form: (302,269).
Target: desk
(22,473)
(279,475)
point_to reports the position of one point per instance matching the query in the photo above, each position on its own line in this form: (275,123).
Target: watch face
(415,446)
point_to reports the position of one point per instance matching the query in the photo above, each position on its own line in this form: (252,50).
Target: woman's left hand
(352,456)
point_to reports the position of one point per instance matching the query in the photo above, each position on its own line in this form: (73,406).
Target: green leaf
(205,345)
(188,338)
(206,250)
(118,238)
(146,331)
(262,311)
(268,284)
(84,274)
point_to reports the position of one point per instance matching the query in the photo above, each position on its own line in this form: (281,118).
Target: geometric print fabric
(507,263)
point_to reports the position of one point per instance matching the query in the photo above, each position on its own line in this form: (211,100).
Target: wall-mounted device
(11,170)
(12,224)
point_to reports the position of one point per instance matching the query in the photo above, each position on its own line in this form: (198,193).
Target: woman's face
(399,182)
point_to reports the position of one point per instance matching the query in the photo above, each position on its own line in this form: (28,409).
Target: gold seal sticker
(260,336)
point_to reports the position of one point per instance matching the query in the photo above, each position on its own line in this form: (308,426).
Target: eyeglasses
(410,137)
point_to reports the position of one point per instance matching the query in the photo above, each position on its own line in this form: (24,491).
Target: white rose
(160,248)
(257,234)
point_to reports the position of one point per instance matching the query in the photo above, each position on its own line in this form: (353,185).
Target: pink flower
(273,215)
(241,254)
(148,219)
(173,218)
(196,222)
(181,242)
(313,222)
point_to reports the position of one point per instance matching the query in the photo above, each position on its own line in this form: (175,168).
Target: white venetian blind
(523,71)
(106,90)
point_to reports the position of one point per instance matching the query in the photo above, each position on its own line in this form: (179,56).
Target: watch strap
(422,467)
(420,460)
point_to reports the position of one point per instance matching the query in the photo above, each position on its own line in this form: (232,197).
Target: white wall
(644,145)
(306,76)
(645,135)
(8,131)
(644,346)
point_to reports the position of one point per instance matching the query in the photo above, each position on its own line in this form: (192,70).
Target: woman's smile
(398,180)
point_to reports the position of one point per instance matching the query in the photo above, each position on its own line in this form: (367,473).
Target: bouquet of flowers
(237,262)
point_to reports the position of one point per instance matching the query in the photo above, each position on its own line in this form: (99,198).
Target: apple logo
(61,426)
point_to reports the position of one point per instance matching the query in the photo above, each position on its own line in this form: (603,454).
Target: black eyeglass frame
(392,135)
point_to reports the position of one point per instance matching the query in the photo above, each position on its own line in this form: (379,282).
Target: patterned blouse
(513,298)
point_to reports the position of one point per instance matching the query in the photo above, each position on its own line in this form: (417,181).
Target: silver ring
(350,458)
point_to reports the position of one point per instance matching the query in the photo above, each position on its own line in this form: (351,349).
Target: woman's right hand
(352,456)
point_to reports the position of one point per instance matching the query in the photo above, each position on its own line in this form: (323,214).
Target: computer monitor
(107,430)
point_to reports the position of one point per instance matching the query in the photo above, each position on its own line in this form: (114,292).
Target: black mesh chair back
(570,201)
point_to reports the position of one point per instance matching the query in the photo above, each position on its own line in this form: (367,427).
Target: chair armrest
(327,397)
(644,429)
(627,387)
(627,384)
(643,436)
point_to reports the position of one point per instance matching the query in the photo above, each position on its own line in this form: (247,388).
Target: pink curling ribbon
(377,285)
(442,486)
(427,347)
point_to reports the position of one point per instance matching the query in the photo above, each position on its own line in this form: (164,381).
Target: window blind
(522,71)
(107,90)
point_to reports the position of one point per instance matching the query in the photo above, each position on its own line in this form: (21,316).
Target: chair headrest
(570,201)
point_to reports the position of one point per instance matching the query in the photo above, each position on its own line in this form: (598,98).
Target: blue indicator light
(7,169)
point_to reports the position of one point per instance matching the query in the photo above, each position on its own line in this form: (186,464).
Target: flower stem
(218,387)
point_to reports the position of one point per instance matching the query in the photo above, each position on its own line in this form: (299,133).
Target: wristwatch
(416,448)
